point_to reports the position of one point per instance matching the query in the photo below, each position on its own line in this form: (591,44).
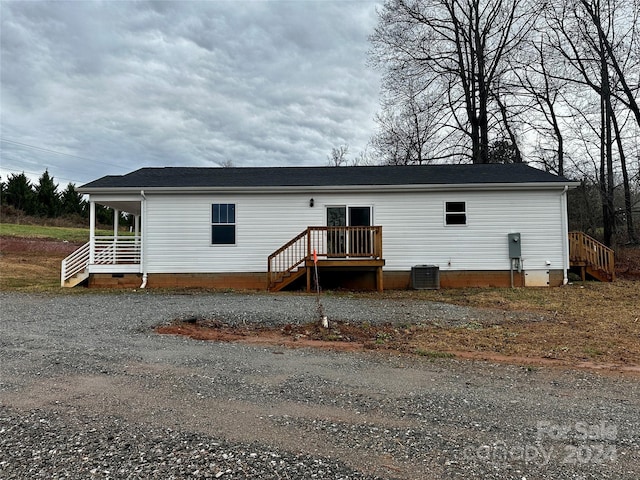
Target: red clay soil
(41,245)
(340,336)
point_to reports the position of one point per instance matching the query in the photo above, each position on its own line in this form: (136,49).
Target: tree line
(44,200)
(499,81)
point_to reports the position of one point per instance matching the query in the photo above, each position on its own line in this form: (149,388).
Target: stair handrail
(583,248)
(74,263)
(288,257)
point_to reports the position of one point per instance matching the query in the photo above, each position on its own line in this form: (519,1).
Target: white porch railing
(75,263)
(107,250)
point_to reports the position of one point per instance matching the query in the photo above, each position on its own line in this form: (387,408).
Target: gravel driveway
(87,390)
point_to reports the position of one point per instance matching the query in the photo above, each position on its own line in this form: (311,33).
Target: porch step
(591,257)
(587,271)
(76,279)
(286,279)
(600,275)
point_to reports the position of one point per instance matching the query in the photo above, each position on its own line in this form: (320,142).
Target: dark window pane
(223,213)
(223,234)
(215,216)
(359,216)
(455,207)
(456,219)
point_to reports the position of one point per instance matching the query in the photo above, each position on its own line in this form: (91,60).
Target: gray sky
(119,85)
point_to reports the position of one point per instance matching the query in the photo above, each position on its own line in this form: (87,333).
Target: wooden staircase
(351,247)
(591,257)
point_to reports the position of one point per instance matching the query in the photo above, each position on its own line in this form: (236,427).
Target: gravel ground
(87,390)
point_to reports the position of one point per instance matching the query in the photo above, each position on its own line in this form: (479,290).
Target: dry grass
(29,272)
(584,322)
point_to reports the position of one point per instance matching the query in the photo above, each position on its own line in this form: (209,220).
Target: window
(223,224)
(455,213)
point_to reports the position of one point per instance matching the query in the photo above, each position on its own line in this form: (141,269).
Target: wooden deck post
(379,279)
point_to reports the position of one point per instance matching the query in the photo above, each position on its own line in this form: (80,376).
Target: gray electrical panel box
(515,251)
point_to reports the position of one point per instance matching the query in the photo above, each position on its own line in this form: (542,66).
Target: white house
(480,225)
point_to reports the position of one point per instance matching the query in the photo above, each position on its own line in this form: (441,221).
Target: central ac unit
(425,277)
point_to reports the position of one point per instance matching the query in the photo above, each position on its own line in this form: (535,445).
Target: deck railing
(107,250)
(587,251)
(74,263)
(328,243)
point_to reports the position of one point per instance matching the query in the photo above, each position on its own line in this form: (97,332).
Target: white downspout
(143,211)
(92,231)
(565,232)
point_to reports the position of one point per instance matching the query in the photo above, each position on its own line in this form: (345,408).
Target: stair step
(285,279)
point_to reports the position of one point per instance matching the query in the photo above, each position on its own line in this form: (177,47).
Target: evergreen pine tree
(19,193)
(71,201)
(48,200)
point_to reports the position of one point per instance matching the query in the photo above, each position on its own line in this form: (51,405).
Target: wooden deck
(351,248)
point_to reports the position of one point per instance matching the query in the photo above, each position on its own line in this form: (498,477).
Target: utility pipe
(565,232)
(143,211)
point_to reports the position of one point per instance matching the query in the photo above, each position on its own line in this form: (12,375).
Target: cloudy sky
(102,88)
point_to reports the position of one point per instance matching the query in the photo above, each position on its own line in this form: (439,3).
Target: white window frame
(447,213)
(234,224)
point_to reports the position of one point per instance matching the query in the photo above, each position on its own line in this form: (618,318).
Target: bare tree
(618,49)
(408,127)
(595,38)
(338,156)
(457,46)
(536,81)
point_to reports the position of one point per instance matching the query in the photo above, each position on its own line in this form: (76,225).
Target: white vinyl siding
(178,236)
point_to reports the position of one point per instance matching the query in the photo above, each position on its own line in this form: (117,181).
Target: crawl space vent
(425,277)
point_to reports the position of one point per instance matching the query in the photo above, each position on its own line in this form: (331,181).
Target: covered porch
(120,253)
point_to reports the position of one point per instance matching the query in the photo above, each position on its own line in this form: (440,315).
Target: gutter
(337,188)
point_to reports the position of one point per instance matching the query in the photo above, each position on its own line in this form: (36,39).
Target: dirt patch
(36,246)
(340,336)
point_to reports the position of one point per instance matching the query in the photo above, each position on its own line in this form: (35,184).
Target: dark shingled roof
(185,177)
